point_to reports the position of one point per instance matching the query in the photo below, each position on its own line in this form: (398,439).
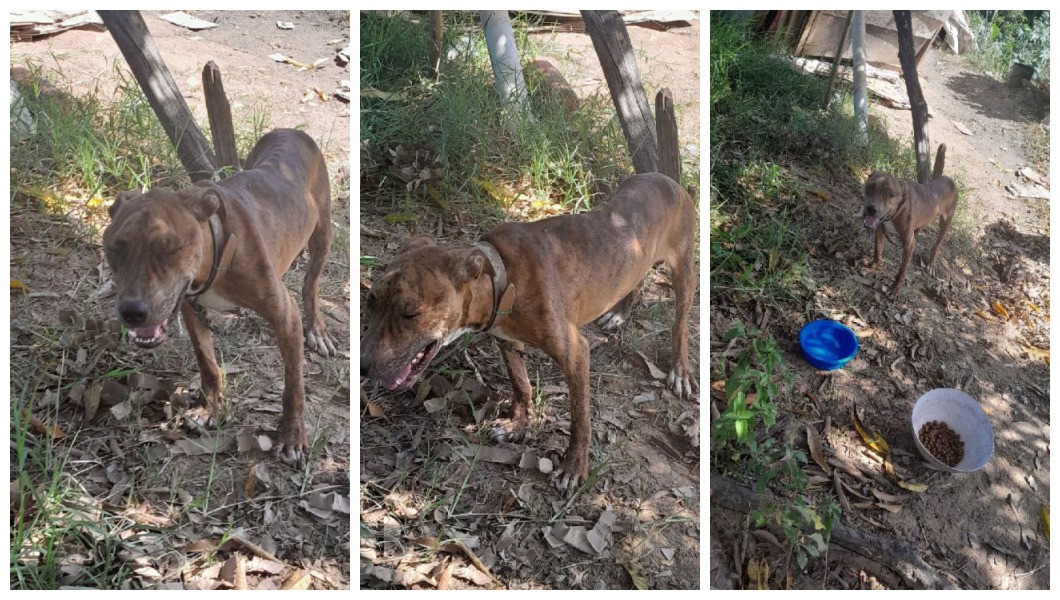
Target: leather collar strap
(222,255)
(503,292)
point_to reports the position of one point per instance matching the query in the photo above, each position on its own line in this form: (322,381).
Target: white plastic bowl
(964,416)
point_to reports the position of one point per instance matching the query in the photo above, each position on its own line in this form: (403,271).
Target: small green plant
(806,528)
(1008,36)
(750,390)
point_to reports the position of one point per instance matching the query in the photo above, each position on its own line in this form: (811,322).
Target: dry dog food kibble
(942,442)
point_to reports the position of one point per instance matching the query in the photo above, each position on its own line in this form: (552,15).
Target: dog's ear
(473,264)
(119,199)
(419,241)
(203,201)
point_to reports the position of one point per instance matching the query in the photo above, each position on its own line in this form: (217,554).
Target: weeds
(741,442)
(1008,36)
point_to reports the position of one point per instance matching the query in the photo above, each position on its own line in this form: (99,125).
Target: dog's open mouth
(407,375)
(148,337)
(871,222)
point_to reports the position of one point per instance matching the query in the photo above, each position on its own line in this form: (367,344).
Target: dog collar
(222,255)
(503,292)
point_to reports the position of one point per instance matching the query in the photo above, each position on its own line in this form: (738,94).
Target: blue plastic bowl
(827,344)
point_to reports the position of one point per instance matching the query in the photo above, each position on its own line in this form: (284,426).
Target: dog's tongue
(871,222)
(391,383)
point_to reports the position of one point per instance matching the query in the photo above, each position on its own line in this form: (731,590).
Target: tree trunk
(903,21)
(507,72)
(130,32)
(437,29)
(615,52)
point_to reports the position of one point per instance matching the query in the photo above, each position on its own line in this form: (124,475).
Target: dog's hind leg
(683,267)
(944,227)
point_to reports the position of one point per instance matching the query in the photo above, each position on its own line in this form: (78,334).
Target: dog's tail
(940,161)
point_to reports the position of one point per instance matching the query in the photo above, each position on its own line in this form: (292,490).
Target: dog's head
(417,305)
(156,244)
(883,193)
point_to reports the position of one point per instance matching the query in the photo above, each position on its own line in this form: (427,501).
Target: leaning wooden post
(220,114)
(130,32)
(615,52)
(666,131)
(436,42)
(903,22)
(838,56)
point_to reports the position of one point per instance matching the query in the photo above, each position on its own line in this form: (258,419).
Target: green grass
(553,156)
(1007,36)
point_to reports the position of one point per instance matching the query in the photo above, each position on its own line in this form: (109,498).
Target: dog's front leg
(515,428)
(209,372)
(877,257)
(680,381)
(285,321)
(572,354)
(908,244)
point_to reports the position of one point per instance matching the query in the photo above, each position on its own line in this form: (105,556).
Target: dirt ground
(441,502)
(184,493)
(980,530)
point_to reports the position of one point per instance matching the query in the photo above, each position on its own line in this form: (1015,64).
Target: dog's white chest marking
(212,300)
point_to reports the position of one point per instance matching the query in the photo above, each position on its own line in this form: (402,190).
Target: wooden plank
(666,130)
(220,114)
(130,32)
(615,52)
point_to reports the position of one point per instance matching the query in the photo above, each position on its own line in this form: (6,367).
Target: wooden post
(436,42)
(220,114)
(507,71)
(130,32)
(666,131)
(615,52)
(903,22)
(838,56)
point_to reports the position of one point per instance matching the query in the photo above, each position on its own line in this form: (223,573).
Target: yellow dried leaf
(758,574)
(1034,307)
(1043,514)
(1000,309)
(375,410)
(19,286)
(984,316)
(919,488)
(1037,352)
(874,440)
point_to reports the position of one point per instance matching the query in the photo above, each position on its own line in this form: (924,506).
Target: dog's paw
(320,342)
(680,384)
(508,430)
(292,447)
(611,321)
(571,473)
(201,418)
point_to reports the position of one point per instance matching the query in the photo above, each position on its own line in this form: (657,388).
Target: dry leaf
(640,581)
(1043,515)
(376,411)
(874,441)
(655,372)
(984,316)
(758,573)
(19,286)
(1000,309)
(250,482)
(918,488)
(813,439)
(52,431)
(299,580)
